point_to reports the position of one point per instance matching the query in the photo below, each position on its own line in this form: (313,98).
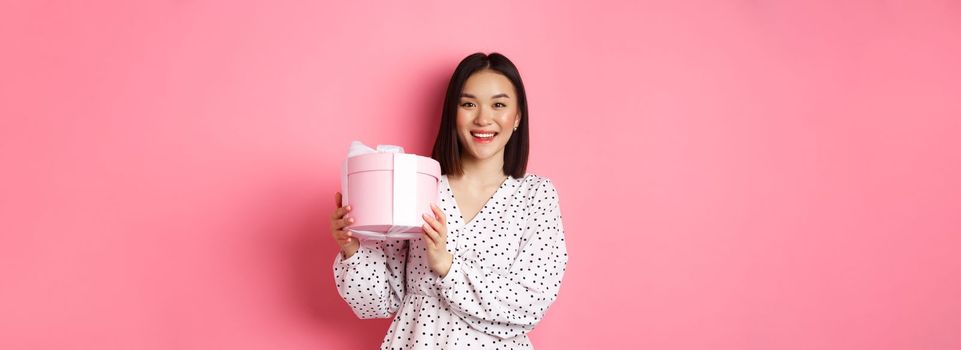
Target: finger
(344,222)
(440,225)
(338,197)
(338,226)
(339,237)
(438,236)
(338,233)
(429,231)
(430,235)
(345,236)
(437,226)
(439,213)
(338,213)
(343,240)
(430,220)
(429,242)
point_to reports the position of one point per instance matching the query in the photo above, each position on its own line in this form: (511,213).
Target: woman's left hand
(435,237)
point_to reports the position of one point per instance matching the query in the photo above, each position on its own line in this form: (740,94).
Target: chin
(485,155)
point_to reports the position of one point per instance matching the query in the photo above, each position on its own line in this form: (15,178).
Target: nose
(484,117)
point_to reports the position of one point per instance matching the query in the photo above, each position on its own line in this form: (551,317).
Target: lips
(483,136)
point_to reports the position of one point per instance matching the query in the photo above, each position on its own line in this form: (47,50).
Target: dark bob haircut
(447,149)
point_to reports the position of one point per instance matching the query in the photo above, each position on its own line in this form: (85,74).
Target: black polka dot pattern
(509,261)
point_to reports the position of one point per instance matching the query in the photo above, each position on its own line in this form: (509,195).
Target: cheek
(506,116)
(463,118)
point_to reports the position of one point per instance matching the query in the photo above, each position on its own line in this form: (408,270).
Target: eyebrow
(472,96)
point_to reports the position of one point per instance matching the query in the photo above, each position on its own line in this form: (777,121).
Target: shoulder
(538,187)
(536,181)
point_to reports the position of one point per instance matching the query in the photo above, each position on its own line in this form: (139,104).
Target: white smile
(483,136)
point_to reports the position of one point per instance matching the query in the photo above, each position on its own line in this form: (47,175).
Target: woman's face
(486,114)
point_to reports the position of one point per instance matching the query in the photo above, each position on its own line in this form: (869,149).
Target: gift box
(388,191)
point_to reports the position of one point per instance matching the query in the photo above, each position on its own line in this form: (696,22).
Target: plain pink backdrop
(732,174)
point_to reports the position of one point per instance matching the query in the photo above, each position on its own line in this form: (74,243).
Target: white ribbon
(404,174)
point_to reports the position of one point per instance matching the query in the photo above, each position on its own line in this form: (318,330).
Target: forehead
(487,83)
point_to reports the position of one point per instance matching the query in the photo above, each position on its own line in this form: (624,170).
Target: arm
(372,281)
(508,304)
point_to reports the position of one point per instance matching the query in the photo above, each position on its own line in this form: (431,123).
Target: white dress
(507,270)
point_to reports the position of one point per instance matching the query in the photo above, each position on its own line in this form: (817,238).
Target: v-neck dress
(508,264)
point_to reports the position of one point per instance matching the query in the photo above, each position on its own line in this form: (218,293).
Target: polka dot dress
(509,261)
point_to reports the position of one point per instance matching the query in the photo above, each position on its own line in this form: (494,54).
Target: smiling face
(486,115)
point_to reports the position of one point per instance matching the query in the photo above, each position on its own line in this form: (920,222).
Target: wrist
(445,265)
(349,250)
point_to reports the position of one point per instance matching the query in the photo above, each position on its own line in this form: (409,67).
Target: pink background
(733,174)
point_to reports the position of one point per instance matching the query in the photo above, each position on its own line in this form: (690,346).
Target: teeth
(483,135)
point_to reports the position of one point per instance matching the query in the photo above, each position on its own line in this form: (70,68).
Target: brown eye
(500,104)
(465,104)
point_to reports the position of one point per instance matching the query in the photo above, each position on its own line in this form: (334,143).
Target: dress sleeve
(511,303)
(372,281)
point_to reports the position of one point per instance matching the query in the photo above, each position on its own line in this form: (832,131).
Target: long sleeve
(511,303)
(372,281)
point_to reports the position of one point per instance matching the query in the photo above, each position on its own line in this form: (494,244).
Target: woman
(492,256)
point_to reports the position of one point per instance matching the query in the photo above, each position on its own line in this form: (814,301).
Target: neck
(484,171)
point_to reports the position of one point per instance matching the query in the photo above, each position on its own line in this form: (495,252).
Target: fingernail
(348,208)
(350,220)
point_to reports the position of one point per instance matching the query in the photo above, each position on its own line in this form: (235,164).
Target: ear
(518,122)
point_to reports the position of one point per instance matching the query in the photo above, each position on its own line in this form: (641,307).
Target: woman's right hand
(338,222)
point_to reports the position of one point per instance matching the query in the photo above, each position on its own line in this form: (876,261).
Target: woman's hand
(435,236)
(338,221)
